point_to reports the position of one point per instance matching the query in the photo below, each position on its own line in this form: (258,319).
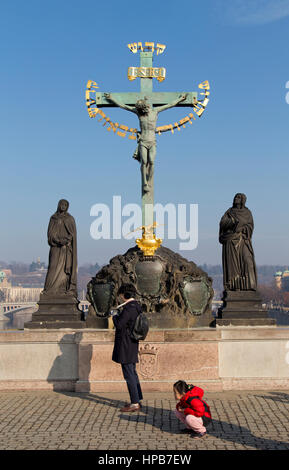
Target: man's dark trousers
(132,380)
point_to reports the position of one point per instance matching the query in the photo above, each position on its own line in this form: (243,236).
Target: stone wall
(215,359)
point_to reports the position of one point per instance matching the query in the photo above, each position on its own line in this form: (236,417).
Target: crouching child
(191,409)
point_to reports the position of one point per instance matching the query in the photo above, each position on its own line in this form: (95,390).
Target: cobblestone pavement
(60,420)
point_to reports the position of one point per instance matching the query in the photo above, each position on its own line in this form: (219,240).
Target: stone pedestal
(59,311)
(243,308)
(173,292)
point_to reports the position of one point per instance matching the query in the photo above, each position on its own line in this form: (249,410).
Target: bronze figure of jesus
(146,151)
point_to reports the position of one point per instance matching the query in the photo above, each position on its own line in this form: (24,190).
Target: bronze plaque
(196,294)
(148,275)
(101,296)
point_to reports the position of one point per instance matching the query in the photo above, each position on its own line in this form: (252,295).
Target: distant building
(24,287)
(282,280)
(37,266)
(4,280)
(278,279)
(8,272)
(35,278)
(21,294)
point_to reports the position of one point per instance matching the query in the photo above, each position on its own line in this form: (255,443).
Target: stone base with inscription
(173,292)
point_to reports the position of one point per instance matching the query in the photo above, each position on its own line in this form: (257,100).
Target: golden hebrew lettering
(121,134)
(160,48)
(150,45)
(124,128)
(184,120)
(132,137)
(199,111)
(90,102)
(106,121)
(168,127)
(111,127)
(133,47)
(177,126)
(101,114)
(87,96)
(204,85)
(192,116)
(93,112)
(91,84)
(205,102)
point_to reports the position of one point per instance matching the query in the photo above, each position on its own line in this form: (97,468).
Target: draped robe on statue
(62,269)
(239,269)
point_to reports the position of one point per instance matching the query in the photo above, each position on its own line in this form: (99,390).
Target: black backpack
(141,328)
(207,417)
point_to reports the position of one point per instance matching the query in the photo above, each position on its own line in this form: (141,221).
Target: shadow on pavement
(165,420)
(281,397)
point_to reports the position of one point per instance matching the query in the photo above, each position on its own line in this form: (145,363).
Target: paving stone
(53,420)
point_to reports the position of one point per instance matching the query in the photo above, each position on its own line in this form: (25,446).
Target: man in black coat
(125,350)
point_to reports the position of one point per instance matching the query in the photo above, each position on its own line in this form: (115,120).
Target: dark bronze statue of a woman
(242,303)
(58,303)
(236,228)
(62,267)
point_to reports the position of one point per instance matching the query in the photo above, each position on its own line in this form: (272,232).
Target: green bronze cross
(146,105)
(146,89)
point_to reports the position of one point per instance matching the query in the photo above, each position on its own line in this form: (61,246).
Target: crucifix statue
(146,151)
(146,105)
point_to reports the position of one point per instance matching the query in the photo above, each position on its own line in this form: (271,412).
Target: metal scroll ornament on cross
(147,105)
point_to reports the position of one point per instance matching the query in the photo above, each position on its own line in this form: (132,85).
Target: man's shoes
(128,404)
(129,408)
(198,435)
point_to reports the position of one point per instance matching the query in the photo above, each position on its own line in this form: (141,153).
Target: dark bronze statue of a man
(236,228)
(146,151)
(61,276)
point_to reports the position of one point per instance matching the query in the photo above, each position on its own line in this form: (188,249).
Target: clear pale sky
(51,149)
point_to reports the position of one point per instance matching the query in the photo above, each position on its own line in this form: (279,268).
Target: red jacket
(194,406)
